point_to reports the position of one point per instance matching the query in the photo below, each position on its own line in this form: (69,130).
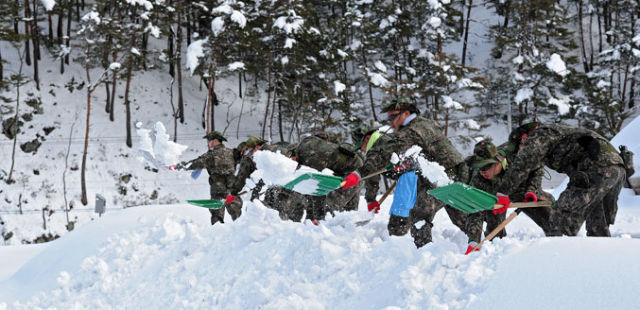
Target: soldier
(596,175)
(412,129)
(238,151)
(248,166)
(220,165)
(324,150)
(491,164)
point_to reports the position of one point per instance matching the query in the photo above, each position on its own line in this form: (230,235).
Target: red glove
(351,180)
(502,200)
(530,197)
(374,205)
(470,247)
(401,166)
(230,199)
(173,167)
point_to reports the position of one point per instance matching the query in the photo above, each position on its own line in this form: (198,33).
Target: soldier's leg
(235,208)
(493,221)
(583,197)
(457,217)
(474,226)
(422,216)
(596,224)
(316,208)
(398,226)
(217,215)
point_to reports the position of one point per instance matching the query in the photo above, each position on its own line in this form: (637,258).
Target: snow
(523,94)
(557,65)
(435,22)
(562,103)
(472,124)
(236,66)
(48,4)
(307,187)
(449,103)
(166,151)
(431,170)
(380,66)
(289,42)
(92,16)
(115,66)
(239,19)
(194,52)
(289,27)
(339,87)
(217,25)
(135,51)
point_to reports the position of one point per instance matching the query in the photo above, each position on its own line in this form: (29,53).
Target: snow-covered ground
(169,257)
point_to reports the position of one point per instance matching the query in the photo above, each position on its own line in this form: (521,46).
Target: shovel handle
(526,204)
(498,229)
(388,192)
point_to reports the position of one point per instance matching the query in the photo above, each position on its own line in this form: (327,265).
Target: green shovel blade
(207,203)
(465,198)
(314,184)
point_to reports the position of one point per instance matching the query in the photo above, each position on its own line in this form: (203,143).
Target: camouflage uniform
(247,167)
(436,148)
(220,166)
(486,150)
(289,204)
(596,175)
(322,151)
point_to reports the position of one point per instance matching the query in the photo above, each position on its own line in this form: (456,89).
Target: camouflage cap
(485,153)
(359,134)
(255,141)
(400,104)
(215,135)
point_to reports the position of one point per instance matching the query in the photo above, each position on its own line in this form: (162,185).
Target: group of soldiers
(513,171)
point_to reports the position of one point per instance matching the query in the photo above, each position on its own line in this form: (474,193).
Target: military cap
(215,135)
(485,153)
(255,141)
(400,104)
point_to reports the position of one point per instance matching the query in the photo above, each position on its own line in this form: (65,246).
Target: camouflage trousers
(590,196)
(540,216)
(339,200)
(234,208)
(289,204)
(420,219)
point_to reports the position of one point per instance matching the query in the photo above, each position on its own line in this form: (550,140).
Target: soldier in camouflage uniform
(491,164)
(596,175)
(322,151)
(238,151)
(221,168)
(248,166)
(412,129)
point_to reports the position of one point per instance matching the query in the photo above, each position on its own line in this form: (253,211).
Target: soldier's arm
(198,163)
(247,167)
(529,158)
(533,183)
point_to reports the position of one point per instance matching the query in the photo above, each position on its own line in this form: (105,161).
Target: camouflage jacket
(372,185)
(247,167)
(319,154)
(220,166)
(533,183)
(424,133)
(556,146)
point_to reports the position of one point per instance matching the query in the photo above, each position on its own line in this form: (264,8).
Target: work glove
(400,166)
(374,205)
(178,166)
(530,197)
(230,199)
(471,246)
(502,200)
(351,180)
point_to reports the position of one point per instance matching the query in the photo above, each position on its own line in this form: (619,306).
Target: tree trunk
(67,43)
(83,183)
(280,121)
(273,109)
(373,108)
(50,28)
(465,42)
(27,31)
(209,107)
(582,44)
(36,44)
(15,119)
(127,103)
(266,113)
(179,63)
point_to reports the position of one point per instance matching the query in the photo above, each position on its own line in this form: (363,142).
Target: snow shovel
(318,184)
(469,199)
(497,230)
(386,194)
(210,203)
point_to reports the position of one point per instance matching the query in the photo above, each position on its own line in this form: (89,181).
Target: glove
(374,205)
(471,246)
(173,167)
(230,199)
(351,180)
(502,200)
(530,197)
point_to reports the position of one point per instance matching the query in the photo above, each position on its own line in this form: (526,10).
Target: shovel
(386,194)
(469,199)
(210,203)
(497,230)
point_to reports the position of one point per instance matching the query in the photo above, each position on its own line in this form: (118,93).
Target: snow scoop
(386,194)
(210,203)
(469,199)
(497,230)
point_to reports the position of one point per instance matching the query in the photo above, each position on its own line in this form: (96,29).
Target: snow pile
(277,169)
(164,151)
(557,65)
(169,257)
(194,52)
(431,170)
